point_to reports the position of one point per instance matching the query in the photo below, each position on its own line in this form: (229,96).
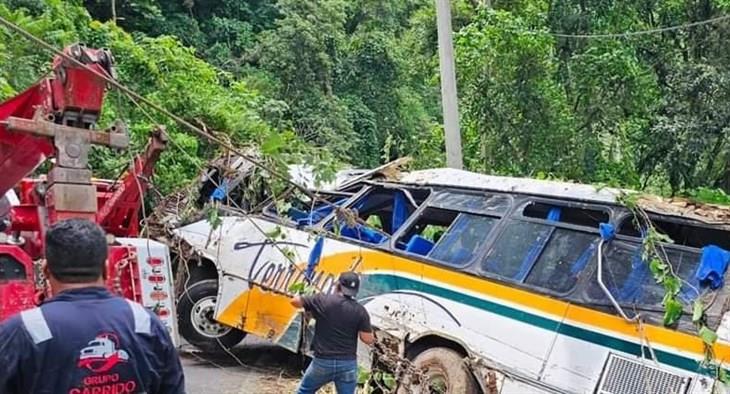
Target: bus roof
(466,179)
(449,177)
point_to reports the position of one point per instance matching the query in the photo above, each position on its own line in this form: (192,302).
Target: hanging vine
(654,254)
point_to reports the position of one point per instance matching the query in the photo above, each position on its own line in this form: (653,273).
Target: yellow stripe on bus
(267,314)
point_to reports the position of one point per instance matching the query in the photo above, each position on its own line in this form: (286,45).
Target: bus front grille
(626,376)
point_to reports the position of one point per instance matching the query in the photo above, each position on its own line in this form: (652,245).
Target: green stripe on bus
(374,284)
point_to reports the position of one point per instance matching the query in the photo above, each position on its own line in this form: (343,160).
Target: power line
(134,96)
(137,98)
(630,33)
(200,132)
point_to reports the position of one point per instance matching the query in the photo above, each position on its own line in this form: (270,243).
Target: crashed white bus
(489,284)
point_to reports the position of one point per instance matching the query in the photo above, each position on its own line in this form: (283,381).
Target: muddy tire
(444,372)
(195,310)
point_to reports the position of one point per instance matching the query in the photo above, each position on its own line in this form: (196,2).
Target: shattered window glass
(490,204)
(565,256)
(515,251)
(380,213)
(630,281)
(462,240)
(303,211)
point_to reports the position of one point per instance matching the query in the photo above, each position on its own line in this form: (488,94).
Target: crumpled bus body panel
(256,275)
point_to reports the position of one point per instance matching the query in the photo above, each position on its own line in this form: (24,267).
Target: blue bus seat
(419,245)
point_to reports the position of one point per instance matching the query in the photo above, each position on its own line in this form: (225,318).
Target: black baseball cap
(349,283)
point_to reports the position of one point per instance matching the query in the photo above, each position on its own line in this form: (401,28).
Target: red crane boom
(56,118)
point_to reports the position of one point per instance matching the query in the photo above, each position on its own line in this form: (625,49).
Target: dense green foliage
(360,78)
(161,69)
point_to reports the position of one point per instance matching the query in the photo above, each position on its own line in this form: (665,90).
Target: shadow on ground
(258,354)
(250,368)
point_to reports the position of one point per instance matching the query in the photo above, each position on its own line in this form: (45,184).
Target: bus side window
(517,248)
(630,281)
(381,212)
(423,235)
(565,256)
(447,236)
(685,234)
(303,212)
(540,254)
(459,245)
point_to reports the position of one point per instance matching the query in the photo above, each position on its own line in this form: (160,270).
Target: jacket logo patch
(102,354)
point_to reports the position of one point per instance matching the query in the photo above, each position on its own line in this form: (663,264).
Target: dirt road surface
(261,368)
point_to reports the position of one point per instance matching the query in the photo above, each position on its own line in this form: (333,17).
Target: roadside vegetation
(356,82)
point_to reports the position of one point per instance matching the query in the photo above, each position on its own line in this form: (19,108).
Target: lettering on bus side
(279,276)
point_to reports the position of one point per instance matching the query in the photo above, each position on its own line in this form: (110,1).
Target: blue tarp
(220,192)
(712,267)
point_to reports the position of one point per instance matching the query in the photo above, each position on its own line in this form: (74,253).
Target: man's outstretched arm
(365,329)
(367,337)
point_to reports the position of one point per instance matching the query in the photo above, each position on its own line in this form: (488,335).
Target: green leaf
(297,288)
(282,207)
(661,237)
(275,233)
(672,311)
(288,253)
(672,285)
(657,267)
(362,376)
(708,336)
(697,310)
(213,217)
(388,380)
(301,288)
(272,144)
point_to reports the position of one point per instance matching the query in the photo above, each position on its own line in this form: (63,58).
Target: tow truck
(55,121)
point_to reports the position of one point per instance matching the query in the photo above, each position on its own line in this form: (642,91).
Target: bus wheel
(444,372)
(195,310)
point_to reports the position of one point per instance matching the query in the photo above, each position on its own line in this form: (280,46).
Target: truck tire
(444,372)
(195,310)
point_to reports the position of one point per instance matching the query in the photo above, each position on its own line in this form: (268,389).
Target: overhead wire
(191,127)
(196,130)
(232,204)
(136,99)
(628,34)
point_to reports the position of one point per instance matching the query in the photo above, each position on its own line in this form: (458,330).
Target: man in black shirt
(341,320)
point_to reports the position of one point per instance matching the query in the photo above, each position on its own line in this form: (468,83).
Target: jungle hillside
(550,89)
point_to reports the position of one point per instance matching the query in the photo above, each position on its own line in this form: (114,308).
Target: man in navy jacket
(85,340)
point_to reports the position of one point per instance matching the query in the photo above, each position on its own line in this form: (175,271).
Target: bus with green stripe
(481,283)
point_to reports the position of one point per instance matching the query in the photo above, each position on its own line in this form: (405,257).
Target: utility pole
(448,85)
